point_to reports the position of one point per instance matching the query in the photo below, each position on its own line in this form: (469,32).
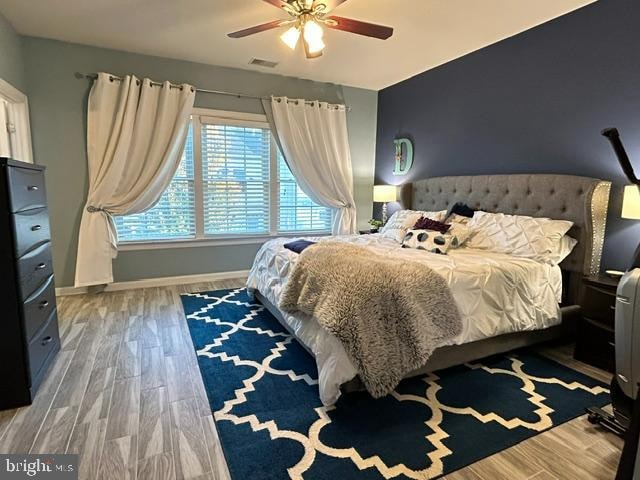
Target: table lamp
(631,202)
(384,194)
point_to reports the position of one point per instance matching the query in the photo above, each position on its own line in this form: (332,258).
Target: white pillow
(565,247)
(518,235)
(462,231)
(403,220)
(454,218)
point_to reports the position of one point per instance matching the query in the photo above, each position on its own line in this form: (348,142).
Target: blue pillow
(298,246)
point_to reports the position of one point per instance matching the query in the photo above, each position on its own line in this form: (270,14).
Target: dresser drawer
(26,189)
(599,304)
(34,268)
(43,345)
(38,307)
(31,229)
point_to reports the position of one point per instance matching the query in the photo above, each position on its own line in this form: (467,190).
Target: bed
(505,302)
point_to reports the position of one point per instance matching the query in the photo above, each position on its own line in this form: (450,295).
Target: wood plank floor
(125,393)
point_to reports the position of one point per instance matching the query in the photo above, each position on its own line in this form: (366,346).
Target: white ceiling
(428,33)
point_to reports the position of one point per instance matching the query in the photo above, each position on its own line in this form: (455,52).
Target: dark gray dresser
(29,337)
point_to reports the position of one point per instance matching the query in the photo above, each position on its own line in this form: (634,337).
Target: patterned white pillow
(403,220)
(436,242)
(518,235)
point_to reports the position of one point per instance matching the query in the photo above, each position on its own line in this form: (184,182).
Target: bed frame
(582,200)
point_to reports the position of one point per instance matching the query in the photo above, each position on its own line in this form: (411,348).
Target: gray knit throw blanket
(389,314)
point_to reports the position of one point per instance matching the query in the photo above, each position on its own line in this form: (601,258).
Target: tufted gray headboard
(582,200)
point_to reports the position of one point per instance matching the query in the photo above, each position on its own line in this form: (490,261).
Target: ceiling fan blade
(361,28)
(330,4)
(257,29)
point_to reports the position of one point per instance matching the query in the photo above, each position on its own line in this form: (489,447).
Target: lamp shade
(631,202)
(384,193)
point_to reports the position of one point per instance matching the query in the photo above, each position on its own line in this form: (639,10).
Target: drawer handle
(611,344)
(32,188)
(43,304)
(612,307)
(46,340)
(36,228)
(41,266)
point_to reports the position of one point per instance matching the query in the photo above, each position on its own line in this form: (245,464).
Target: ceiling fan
(308,17)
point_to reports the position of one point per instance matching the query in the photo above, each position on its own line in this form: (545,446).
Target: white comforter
(495,293)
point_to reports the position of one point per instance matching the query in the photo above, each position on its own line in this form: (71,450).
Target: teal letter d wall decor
(403,167)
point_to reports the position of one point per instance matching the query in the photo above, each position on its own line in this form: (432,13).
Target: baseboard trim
(155,282)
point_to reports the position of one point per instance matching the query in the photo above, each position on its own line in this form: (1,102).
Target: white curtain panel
(5,141)
(315,144)
(136,132)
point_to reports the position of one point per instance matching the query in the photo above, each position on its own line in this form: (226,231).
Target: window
(235,177)
(232,182)
(173,217)
(297,212)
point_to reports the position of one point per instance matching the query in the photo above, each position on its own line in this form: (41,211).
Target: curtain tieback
(92,209)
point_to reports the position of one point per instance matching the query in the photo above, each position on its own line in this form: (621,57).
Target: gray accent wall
(58,123)
(533,103)
(11,59)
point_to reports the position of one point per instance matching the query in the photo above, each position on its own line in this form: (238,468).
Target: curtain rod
(94,76)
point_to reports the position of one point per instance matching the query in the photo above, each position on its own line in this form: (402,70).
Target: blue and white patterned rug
(262,387)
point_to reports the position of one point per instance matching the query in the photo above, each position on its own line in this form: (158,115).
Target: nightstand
(595,339)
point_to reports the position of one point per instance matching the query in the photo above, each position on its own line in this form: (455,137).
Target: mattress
(495,294)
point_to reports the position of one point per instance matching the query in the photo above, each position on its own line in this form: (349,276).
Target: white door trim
(19,116)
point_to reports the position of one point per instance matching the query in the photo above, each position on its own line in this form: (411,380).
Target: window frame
(200,116)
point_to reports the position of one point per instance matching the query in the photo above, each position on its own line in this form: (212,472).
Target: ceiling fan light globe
(313,32)
(291,37)
(316,46)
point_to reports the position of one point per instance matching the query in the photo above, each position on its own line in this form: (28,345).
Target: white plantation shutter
(231,182)
(296,211)
(235,179)
(173,217)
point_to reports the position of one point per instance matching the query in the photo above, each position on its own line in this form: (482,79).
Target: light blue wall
(11,59)
(58,112)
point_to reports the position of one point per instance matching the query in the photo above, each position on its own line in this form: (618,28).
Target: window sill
(212,242)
